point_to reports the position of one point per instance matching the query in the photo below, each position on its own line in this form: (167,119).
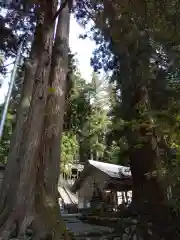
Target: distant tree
(69,151)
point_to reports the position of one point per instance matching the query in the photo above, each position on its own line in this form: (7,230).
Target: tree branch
(63,5)
(7,64)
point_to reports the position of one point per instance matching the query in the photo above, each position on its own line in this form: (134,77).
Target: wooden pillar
(123,199)
(126,196)
(116,197)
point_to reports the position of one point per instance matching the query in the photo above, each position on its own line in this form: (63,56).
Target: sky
(82,48)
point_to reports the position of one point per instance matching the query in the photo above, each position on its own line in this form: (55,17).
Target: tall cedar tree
(22,180)
(125,32)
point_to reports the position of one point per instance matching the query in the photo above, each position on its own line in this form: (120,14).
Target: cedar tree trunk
(49,155)
(18,188)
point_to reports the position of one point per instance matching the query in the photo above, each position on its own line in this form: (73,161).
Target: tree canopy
(130,116)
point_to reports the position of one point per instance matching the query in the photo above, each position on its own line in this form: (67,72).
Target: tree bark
(145,160)
(18,188)
(49,154)
(53,124)
(132,74)
(13,163)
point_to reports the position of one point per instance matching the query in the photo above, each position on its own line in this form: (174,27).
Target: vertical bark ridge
(30,136)
(49,155)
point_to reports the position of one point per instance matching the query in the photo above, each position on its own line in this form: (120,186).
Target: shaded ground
(87,231)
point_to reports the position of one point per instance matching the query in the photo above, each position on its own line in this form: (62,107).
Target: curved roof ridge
(112,170)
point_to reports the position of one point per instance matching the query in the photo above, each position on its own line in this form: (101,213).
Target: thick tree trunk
(133,78)
(13,164)
(49,155)
(145,160)
(53,125)
(18,189)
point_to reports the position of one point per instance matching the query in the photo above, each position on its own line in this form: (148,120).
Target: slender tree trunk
(49,155)
(18,188)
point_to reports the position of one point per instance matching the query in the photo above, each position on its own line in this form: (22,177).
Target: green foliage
(69,149)
(78,106)
(11,115)
(139,44)
(98,125)
(5,141)
(133,39)
(113,153)
(86,117)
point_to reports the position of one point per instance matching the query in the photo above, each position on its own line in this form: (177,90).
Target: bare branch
(63,5)
(7,65)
